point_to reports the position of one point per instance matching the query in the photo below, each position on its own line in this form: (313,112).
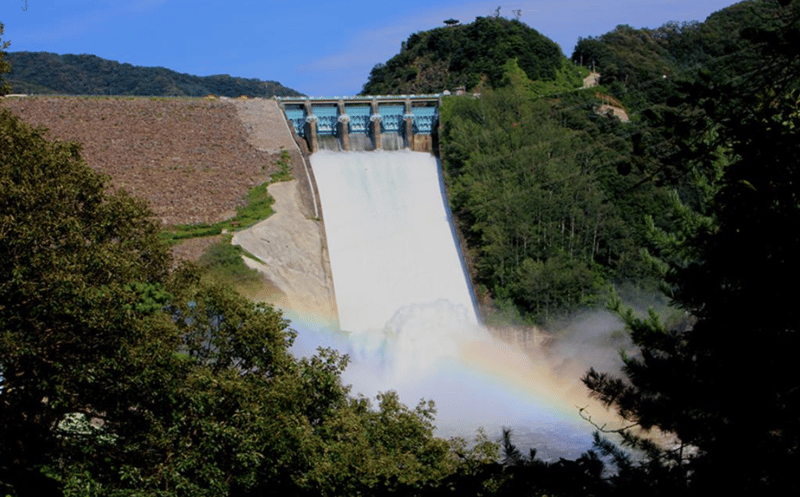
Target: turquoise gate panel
(327,118)
(359,118)
(296,114)
(424,119)
(392,117)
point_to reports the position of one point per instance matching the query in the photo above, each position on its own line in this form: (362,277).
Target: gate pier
(361,123)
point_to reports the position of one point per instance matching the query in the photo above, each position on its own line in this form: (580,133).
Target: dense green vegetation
(42,72)
(549,196)
(257,207)
(534,214)
(223,264)
(729,264)
(470,55)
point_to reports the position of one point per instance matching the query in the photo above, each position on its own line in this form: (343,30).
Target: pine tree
(723,380)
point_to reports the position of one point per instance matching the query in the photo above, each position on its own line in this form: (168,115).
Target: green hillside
(557,198)
(642,66)
(43,72)
(469,55)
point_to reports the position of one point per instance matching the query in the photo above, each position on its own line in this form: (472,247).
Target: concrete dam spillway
(389,236)
(406,310)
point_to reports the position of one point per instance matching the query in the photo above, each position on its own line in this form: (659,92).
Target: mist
(478,380)
(408,319)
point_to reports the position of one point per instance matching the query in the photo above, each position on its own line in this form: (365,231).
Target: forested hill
(557,198)
(43,72)
(640,66)
(468,55)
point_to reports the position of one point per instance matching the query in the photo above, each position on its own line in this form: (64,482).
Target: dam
(388,226)
(364,123)
(407,315)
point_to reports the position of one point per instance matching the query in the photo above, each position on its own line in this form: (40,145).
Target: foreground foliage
(723,381)
(120,376)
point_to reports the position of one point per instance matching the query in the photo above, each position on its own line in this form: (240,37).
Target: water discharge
(408,312)
(389,236)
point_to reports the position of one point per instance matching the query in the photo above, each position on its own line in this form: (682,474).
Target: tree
(723,379)
(69,253)
(4,65)
(119,375)
(528,193)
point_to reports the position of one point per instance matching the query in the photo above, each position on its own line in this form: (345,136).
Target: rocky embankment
(194,161)
(190,159)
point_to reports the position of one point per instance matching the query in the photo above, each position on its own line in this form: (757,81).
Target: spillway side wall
(309,193)
(457,240)
(309,196)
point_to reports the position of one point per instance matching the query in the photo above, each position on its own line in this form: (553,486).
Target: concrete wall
(414,142)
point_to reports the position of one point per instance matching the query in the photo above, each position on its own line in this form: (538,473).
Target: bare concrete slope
(290,246)
(291,242)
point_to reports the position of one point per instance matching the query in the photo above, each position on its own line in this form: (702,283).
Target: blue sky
(316,47)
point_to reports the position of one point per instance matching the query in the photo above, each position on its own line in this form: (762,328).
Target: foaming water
(433,351)
(329,143)
(409,315)
(361,142)
(391,141)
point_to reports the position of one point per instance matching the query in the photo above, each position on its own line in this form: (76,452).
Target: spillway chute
(389,236)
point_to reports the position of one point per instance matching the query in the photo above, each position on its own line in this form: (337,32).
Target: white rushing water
(408,314)
(389,236)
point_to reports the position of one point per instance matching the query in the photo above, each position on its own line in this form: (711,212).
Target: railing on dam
(411,118)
